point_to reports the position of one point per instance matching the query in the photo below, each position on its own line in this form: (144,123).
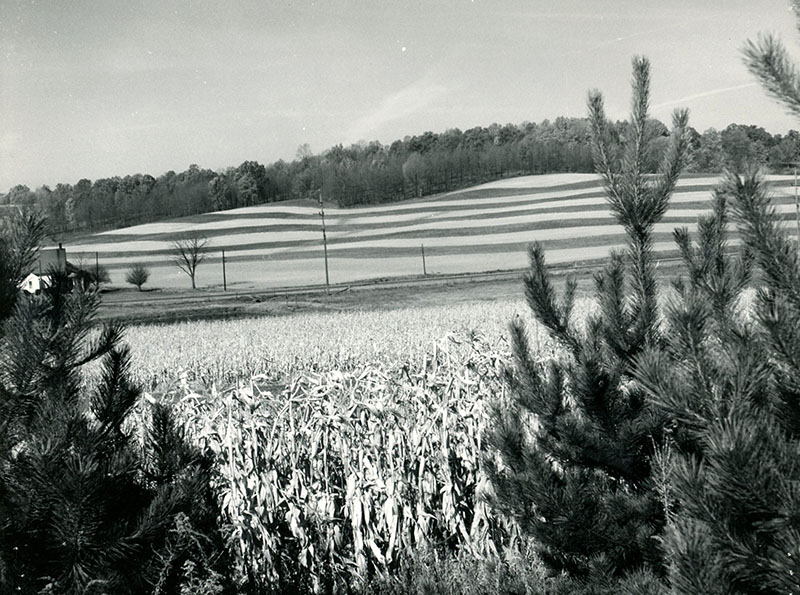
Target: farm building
(46,261)
(35,282)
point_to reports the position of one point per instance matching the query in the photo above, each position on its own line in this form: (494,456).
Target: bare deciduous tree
(189,250)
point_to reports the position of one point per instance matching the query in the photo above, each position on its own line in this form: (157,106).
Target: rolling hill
(482,228)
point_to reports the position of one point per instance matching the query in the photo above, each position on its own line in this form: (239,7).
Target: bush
(137,275)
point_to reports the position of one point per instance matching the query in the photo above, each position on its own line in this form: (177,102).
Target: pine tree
(572,452)
(19,238)
(85,505)
(731,389)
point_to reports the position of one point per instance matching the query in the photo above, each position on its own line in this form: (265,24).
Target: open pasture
(483,228)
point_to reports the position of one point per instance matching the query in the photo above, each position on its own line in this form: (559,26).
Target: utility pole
(794,165)
(224,278)
(324,243)
(424,269)
(796,205)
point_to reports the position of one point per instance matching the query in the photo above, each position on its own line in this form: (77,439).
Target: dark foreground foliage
(89,502)
(575,445)
(662,456)
(729,386)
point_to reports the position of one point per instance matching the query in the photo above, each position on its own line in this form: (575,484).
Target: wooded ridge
(373,173)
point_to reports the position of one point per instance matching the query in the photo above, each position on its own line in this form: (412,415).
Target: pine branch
(110,337)
(526,372)
(673,162)
(19,242)
(611,291)
(568,298)
(643,305)
(115,396)
(26,234)
(763,231)
(600,144)
(170,454)
(770,63)
(634,185)
(507,438)
(541,298)
(538,391)
(695,563)
(712,271)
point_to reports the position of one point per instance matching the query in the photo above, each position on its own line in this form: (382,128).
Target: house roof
(53,258)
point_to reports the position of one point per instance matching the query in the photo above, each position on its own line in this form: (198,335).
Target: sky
(99,88)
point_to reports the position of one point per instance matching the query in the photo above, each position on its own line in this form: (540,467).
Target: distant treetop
(372,173)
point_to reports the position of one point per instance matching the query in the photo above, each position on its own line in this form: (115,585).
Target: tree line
(371,173)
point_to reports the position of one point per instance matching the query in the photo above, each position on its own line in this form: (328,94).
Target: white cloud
(710,93)
(405,102)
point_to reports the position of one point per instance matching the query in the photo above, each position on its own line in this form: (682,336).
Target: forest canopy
(372,173)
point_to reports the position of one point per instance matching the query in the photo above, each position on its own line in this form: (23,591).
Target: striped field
(483,228)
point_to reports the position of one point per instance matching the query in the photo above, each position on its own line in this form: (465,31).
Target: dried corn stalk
(343,471)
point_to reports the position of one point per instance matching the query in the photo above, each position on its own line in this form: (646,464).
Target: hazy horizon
(94,90)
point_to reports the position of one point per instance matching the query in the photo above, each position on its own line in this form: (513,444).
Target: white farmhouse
(46,261)
(35,282)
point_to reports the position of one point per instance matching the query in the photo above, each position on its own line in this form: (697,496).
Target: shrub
(137,275)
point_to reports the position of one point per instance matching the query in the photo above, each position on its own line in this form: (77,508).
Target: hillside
(482,228)
(374,173)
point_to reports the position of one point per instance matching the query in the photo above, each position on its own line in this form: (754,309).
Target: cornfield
(229,351)
(336,456)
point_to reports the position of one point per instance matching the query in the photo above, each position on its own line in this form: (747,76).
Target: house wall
(33,283)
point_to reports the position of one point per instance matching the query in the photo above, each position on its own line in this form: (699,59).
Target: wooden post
(796,205)
(224,278)
(96,267)
(424,269)
(324,243)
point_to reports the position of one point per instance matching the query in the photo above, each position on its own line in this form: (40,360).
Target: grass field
(483,228)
